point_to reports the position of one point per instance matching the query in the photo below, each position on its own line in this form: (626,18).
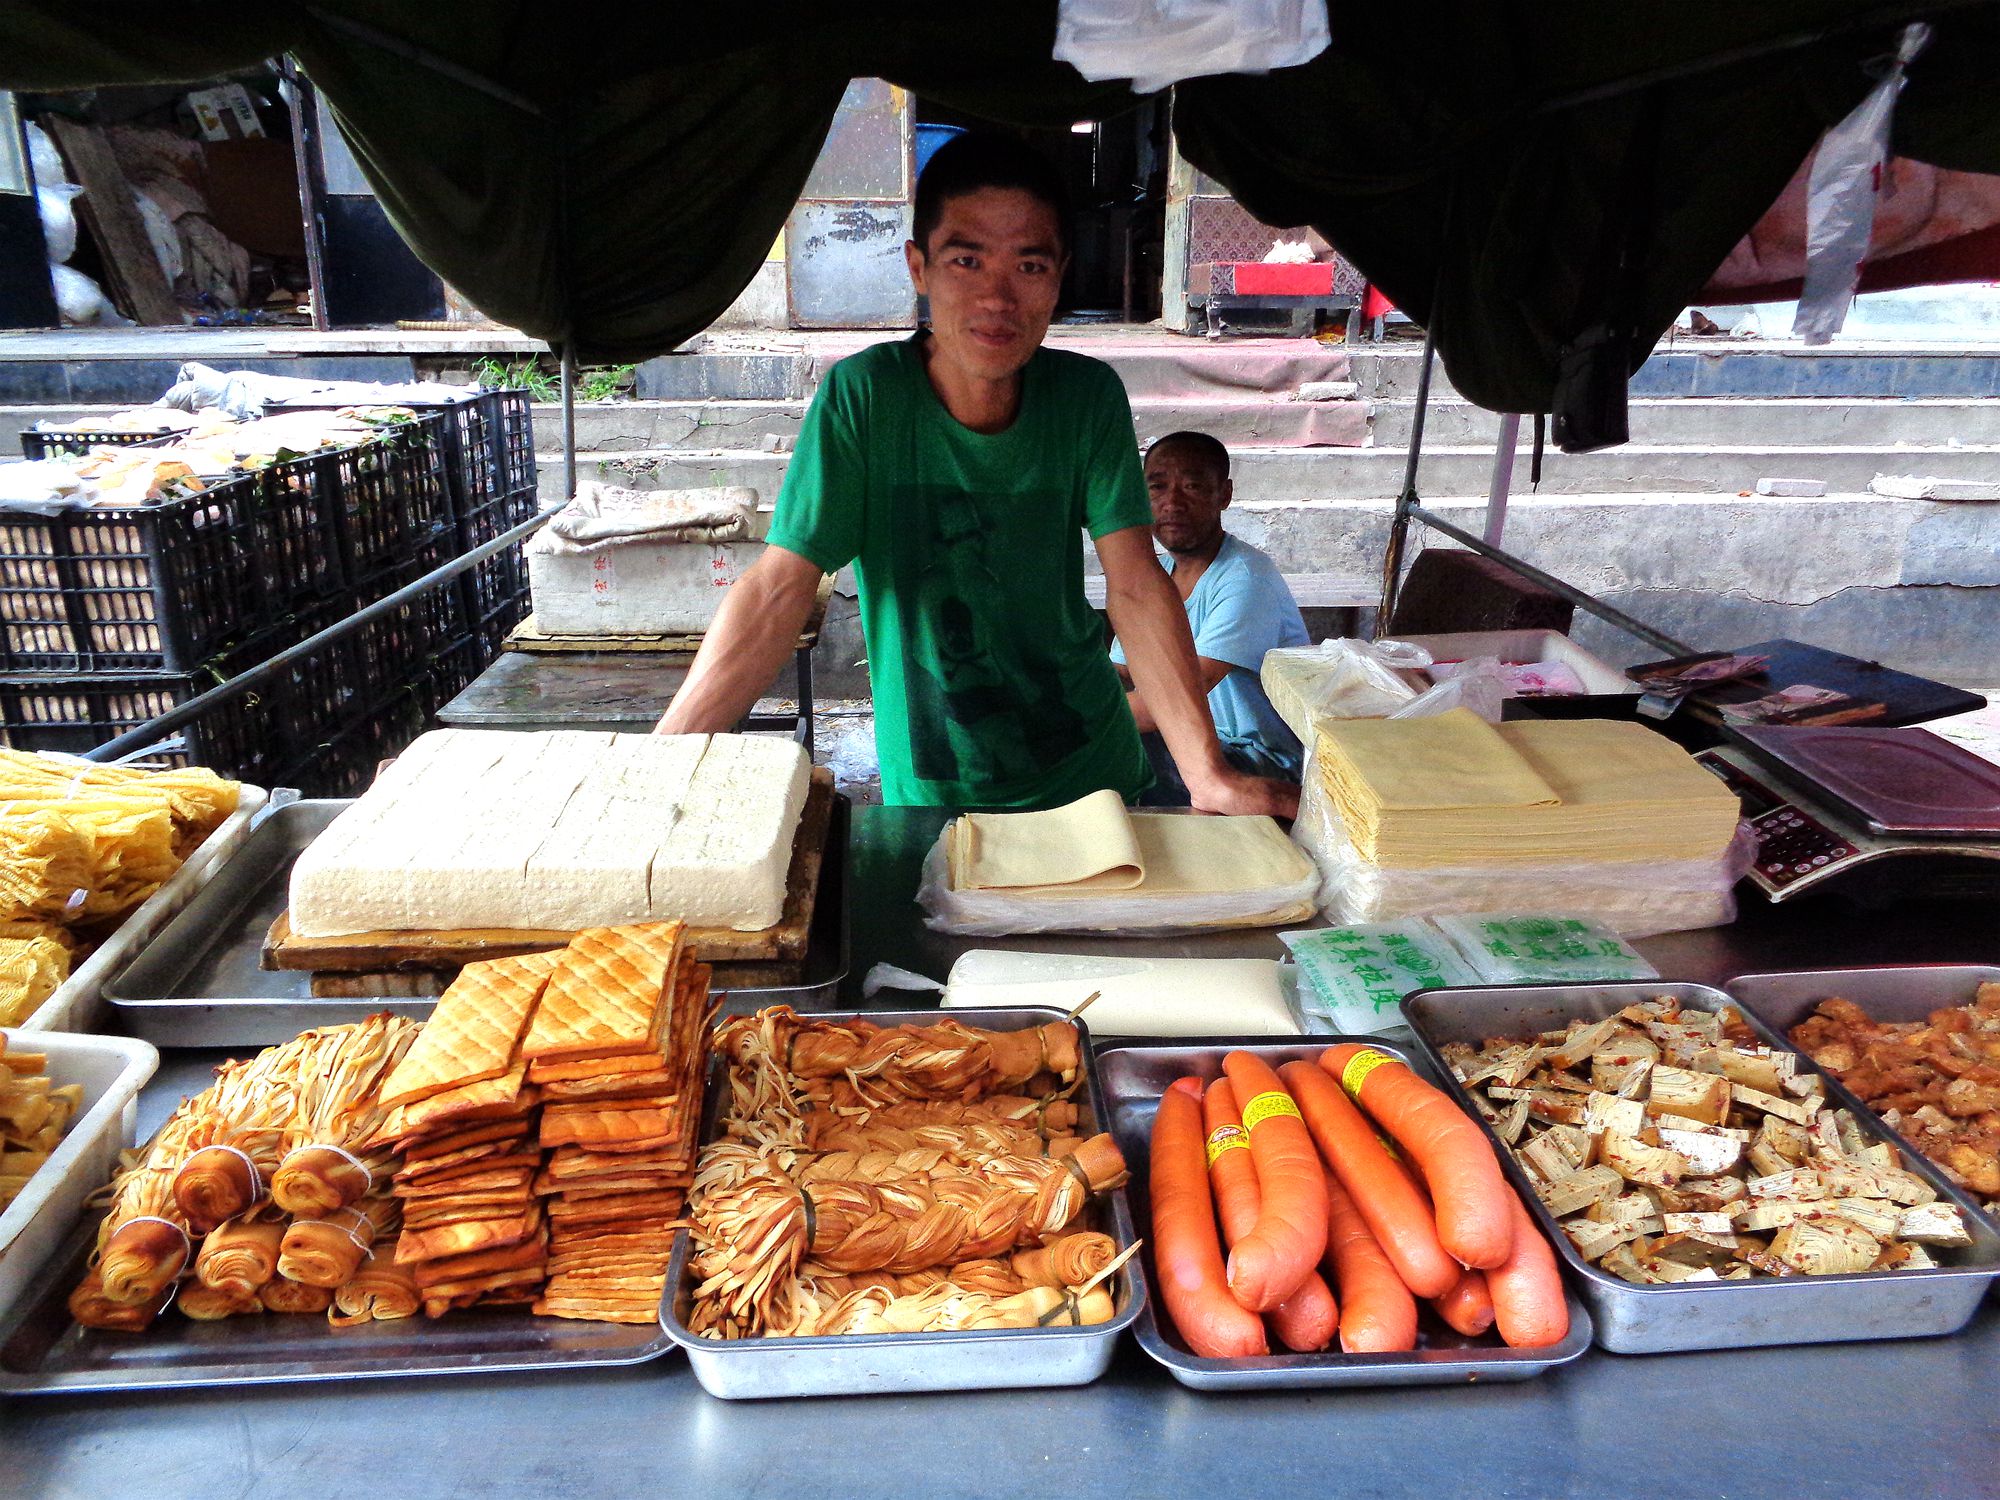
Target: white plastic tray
(112,1070)
(77,1003)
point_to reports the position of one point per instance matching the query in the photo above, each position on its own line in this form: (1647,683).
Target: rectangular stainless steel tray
(1134,1077)
(1908,992)
(871,1364)
(1636,1319)
(201,981)
(43,1353)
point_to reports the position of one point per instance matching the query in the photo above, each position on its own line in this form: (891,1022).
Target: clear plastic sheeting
(1632,899)
(1003,913)
(1156,43)
(1841,194)
(243,394)
(1339,679)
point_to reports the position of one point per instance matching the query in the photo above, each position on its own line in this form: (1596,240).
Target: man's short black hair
(1206,449)
(986,159)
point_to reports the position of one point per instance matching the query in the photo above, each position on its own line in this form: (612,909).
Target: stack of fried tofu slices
(546,1118)
(616,1050)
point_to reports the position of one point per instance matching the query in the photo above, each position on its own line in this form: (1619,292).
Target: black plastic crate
(450,673)
(500,513)
(387,497)
(497,596)
(240,738)
(40,445)
(152,588)
(302,557)
(488,445)
(344,764)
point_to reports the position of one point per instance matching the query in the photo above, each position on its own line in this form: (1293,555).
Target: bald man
(1236,600)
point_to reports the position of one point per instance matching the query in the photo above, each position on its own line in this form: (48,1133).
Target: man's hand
(1236,792)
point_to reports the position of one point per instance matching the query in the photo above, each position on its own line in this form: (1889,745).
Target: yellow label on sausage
(1226,1138)
(1359,1067)
(1264,1106)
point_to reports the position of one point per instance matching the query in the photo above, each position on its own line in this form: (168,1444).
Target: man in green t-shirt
(954,470)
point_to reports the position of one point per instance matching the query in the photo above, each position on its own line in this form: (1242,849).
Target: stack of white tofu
(560,830)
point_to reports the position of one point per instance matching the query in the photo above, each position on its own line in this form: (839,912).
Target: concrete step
(1683,368)
(1736,421)
(1286,475)
(1913,584)
(627,425)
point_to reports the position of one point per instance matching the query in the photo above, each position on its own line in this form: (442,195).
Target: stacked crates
(111,617)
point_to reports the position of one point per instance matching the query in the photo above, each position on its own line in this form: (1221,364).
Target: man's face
(992,271)
(1188,497)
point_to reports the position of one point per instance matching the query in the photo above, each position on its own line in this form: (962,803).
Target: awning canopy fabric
(1548,182)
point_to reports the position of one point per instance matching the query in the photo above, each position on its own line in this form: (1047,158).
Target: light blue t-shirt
(1240,608)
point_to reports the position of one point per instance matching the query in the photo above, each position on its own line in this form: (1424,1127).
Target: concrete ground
(1978,731)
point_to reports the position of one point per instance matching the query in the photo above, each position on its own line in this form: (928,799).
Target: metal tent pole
(1406,502)
(569,420)
(1502,482)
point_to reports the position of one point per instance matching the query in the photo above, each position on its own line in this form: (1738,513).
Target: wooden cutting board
(401,952)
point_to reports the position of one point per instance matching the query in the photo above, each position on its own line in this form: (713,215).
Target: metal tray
(1635,1319)
(1134,1078)
(901,1363)
(201,981)
(43,1353)
(78,1003)
(1908,992)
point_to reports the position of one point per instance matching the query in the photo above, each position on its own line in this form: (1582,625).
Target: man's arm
(1212,672)
(755,631)
(1148,617)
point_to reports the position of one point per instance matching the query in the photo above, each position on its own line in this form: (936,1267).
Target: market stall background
(1529,180)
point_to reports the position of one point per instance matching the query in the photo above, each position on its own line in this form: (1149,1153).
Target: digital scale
(1880,815)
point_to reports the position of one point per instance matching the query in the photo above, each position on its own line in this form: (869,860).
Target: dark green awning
(1519,174)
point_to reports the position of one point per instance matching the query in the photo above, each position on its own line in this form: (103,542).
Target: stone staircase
(1664,527)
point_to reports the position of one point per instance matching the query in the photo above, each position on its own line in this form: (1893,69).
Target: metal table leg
(805,675)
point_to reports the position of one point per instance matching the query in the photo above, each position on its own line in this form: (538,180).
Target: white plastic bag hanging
(1841,194)
(1156,43)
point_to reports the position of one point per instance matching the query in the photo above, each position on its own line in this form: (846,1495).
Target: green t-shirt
(992,686)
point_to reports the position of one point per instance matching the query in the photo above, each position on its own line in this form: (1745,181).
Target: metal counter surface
(1853,1420)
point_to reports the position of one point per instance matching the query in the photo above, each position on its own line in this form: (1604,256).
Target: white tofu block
(480,828)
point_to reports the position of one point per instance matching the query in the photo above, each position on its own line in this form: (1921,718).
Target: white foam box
(112,1070)
(638,587)
(1598,675)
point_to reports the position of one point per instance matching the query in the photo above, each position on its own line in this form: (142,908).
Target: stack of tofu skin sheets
(1602,818)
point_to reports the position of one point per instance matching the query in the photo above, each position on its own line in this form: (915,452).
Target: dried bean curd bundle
(826,1132)
(947,1308)
(240,1256)
(238,1137)
(945,1061)
(207,1304)
(283,1295)
(326,1251)
(1071,1260)
(1046,1117)
(328,1163)
(143,1243)
(93,1309)
(754,1225)
(379,1291)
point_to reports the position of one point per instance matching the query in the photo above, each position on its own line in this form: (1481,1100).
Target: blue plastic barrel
(929,138)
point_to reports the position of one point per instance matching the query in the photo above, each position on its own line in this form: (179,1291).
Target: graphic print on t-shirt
(983,703)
